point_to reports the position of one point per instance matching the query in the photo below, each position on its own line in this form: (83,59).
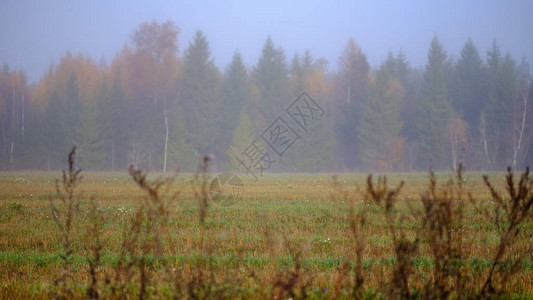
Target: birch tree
(156,49)
(519,126)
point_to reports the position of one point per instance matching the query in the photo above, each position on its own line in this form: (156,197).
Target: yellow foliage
(395,89)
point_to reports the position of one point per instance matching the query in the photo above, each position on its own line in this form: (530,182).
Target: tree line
(160,111)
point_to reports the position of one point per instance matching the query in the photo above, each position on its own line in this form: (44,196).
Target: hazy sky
(34,34)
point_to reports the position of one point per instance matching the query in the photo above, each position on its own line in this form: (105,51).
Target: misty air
(228,149)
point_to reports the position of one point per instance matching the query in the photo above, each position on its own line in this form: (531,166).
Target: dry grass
(292,236)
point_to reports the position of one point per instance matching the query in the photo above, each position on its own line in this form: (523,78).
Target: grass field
(291,236)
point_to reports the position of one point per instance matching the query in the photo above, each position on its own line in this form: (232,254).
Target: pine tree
(33,144)
(356,89)
(434,110)
(72,110)
(467,94)
(54,137)
(62,118)
(379,141)
(468,99)
(308,62)
(408,104)
(297,79)
(411,80)
(236,96)
(314,152)
(90,143)
(200,95)
(111,120)
(181,154)
(242,138)
(116,137)
(271,79)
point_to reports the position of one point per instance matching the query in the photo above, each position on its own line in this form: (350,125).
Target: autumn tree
(57,102)
(308,74)
(14,108)
(410,80)
(315,151)
(156,110)
(380,144)
(150,76)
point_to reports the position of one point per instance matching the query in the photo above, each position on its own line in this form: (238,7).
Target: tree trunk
(483,129)
(22,116)
(150,160)
(520,132)
(113,154)
(166,138)
(349,94)
(3,137)
(11,156)
(454,148)
(13,117)
(48,161)
(133,158)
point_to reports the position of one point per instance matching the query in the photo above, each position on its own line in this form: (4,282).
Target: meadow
(121,236)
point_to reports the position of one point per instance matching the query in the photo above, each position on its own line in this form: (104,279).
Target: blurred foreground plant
(63,217)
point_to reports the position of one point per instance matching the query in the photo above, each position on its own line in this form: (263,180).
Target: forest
(160,111)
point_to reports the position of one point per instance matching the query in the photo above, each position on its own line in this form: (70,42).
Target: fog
(35,34)
(389,86)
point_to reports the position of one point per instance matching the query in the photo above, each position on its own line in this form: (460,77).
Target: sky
(35,34)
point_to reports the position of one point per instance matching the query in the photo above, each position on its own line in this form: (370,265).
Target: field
(291,236)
